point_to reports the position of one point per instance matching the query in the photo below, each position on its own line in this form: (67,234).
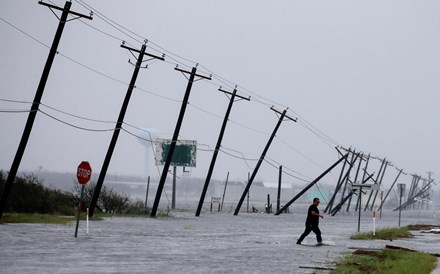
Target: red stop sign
(84,173)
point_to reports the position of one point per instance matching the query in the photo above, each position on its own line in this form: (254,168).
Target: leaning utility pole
(37,99)
(338,186)
(224,191)
(363,178)
(361,158)
(392,185)
(280,173)
(311,184)
(217,146)
(352,191)
(378,180)
(118,125)
(237,209)
(380,183)
(354,157)
(175,135)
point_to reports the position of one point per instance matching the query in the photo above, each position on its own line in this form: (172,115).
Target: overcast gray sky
(362,74)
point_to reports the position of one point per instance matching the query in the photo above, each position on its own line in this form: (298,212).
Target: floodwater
(211,243)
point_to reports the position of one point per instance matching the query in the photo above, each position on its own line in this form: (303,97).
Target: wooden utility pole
(217,146)
(355,178)
(224,191)
(246,190)
(167,164)
(280,173)
(311,184)
(380,183)
(146,194)
(392,185)
(378,180)
(37,99)
(118,125)
(329,206)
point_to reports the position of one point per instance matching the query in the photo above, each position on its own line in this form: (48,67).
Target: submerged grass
(35,218)
(387,261)
(384,234)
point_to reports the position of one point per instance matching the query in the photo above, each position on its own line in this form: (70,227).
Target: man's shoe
(298,242)
(319,244)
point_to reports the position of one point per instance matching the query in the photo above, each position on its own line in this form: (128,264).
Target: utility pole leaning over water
(37,99)
(169,157)
(263,154)
(118,125)
(217,146)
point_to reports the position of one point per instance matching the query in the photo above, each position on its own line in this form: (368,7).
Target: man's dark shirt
(312,219)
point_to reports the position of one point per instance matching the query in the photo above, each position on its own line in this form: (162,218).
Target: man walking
(312,222)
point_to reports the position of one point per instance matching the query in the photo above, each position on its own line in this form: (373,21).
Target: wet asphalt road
(211,243)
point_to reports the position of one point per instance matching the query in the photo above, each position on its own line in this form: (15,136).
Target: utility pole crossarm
(286,116)
(145,53)
(341,154)
(117,130)
(189,72)
(71,12)
(236,95)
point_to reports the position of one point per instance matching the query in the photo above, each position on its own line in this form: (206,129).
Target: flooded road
(211,243)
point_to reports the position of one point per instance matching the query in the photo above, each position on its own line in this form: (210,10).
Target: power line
(33,38)
(14,111)
(124,30)
(72,125)
(77,116)
(103,32)
(285,167)
(224,81)
(112,122)
(109,21)
(150,140)
(284,172)
(319,133)
(15,101)
(237,157)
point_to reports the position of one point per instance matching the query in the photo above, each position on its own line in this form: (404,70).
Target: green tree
(109,201)
(28,195)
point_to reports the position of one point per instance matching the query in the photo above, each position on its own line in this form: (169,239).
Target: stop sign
(84,173)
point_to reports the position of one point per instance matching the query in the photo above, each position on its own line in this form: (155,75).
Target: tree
(109,201)
(28,195)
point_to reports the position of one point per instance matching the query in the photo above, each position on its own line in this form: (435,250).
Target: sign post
(401,193)
(360,186)
(83,174)
(374,223)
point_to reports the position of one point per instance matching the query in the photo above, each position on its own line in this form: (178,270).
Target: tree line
(28,195)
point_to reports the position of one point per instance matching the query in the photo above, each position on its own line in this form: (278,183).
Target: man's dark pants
(310,228)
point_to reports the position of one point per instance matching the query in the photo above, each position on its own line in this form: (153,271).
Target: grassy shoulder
(30,218)
(384,234)
(35,218)
(386,260)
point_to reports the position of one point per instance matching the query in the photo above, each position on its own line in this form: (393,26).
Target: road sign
(84,173)
(359,186)
(401,189)
(215,199)
(185,152)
